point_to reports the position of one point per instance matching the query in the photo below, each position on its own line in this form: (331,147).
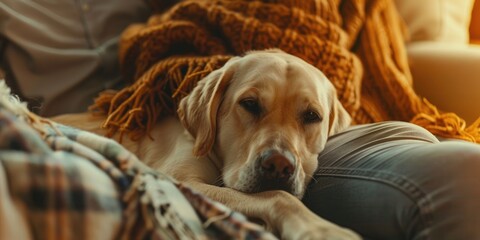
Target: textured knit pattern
(359,45)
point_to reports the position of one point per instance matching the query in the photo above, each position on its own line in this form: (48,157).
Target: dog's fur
(254,130)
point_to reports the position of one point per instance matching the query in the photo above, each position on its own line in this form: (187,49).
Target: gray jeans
(395,180)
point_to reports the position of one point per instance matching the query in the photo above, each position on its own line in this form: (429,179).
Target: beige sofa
(444,53)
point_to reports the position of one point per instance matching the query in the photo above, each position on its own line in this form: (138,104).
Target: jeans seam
(409,188)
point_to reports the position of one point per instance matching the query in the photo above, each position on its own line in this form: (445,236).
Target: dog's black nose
(276,165)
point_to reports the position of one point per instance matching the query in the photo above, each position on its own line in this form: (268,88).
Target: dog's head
(266,116)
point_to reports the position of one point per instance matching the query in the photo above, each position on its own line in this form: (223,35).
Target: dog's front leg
(282,212)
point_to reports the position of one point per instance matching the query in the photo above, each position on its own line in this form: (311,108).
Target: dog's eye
(310,116)
(251,105)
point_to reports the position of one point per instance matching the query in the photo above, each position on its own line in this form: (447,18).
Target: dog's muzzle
(276,170)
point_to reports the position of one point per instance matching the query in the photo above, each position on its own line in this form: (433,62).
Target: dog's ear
(198,110)
(339,118)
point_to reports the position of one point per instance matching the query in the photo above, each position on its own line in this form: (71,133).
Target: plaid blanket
(57,182)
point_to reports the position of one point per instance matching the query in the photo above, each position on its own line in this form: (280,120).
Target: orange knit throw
(358,44)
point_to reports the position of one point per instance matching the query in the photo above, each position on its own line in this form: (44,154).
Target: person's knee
(392,131)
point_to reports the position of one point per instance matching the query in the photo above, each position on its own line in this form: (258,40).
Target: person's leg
(394,180)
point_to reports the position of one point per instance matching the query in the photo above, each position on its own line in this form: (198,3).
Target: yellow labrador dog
(254,130)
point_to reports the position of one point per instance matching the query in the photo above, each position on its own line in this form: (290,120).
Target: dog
(248,136)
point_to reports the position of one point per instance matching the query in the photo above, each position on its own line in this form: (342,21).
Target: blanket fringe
(136,109)
(148,206)
(448,125)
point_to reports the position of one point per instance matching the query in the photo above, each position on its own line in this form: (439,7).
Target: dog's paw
(310,226)
(294,221)
(327,233)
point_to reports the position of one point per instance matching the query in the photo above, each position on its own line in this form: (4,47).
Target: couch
(444,52)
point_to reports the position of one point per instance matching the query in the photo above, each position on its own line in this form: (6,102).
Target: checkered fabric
(57,182)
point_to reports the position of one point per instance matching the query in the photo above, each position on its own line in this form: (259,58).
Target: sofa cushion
(437,20)
(447,75)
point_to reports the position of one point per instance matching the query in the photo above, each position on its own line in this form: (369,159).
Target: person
(395,180)
(389,180)
(59,55)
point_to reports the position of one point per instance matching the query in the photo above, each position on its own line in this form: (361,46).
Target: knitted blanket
(359,45)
